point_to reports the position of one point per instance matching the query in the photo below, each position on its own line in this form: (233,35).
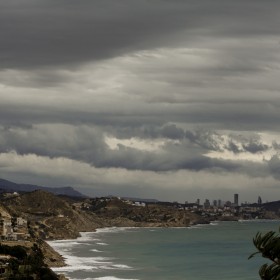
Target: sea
(219,250)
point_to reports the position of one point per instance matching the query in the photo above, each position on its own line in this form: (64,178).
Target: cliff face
(49,216)
(53,217)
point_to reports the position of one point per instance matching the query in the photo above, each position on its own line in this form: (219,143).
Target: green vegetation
(26,264)
(18,252)
(269,246)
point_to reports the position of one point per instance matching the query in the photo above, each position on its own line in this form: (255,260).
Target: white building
(21,222)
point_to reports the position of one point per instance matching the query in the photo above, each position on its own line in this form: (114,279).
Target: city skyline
(162,99)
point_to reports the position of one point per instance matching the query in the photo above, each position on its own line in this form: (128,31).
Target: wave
(104,278)
(114,229)
(96,251)
(201,226)
(110,278)
(93,263)
(74,263)
(260,221)
(87,236)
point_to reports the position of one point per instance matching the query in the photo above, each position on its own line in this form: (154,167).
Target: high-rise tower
(236,199)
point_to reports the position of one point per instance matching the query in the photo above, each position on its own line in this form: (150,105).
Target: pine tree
(268,245)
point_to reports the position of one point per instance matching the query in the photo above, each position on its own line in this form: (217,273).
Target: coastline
(61,258)
(56,259)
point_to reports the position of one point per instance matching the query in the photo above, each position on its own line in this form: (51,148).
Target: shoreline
(61,259)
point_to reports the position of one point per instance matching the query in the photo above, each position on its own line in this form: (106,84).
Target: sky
(172,100)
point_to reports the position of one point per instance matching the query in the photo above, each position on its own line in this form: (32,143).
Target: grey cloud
(53,141)
(233,147)
(274,166)
(172,132)
(206,139)
(147,131)
(276,145)
(73,72)
(246,143)
(86,144)
(173,157)
(48,33)
(255,147)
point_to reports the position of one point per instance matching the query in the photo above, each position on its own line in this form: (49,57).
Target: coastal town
(13,228)
(28,219)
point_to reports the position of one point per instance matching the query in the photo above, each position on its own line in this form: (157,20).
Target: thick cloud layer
(40,33)
(147,98)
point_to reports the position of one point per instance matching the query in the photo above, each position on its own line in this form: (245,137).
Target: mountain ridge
(8,186)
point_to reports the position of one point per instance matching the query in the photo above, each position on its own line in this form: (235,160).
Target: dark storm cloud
(194,83)
(245,116)
(274,166)
(151,130)
(87,144)
(81,143)
(276,145)
(37,33)
(207,140)
(255,147)
(233,147)
(251,143)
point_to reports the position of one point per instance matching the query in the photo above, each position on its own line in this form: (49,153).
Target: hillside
(273,206)
(50,216)
(55,217)
(8,186)
(152,215)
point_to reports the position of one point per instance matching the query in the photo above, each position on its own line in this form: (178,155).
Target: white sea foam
(259,221)
(122,266)
(104,278)
(87,236)
(110,278)
(113,229)
(197,226)
(95,250)
(88,264)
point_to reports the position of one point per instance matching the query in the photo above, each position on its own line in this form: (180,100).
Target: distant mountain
(7,186)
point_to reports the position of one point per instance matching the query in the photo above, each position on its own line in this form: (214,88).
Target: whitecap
(87,236)
(122,266)
(114,229)
(110,278)
(89,264)
(104,278)
(95,250)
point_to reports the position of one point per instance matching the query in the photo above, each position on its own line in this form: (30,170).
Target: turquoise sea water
(216,251)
